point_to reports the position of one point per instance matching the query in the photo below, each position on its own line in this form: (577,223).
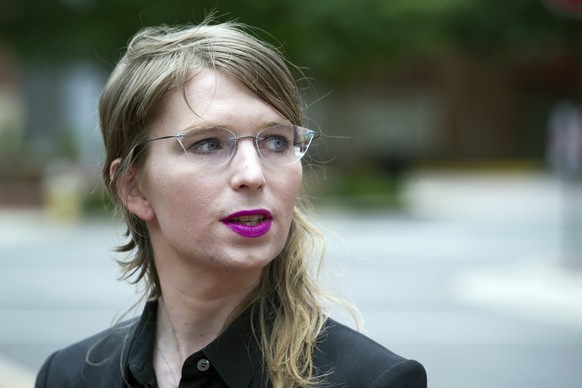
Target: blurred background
(448,178)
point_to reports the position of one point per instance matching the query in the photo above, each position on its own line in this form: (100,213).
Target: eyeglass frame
(180,135)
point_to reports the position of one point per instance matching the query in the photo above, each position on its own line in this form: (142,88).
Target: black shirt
(209,367)
(122,357)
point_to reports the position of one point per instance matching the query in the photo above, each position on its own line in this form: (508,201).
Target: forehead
(214,99)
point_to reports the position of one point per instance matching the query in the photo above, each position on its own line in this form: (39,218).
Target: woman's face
(206,217)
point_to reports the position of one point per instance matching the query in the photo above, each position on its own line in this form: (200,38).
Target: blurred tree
(337,39)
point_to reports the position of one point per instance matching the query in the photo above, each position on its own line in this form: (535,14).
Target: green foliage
(361,187)
(337,39)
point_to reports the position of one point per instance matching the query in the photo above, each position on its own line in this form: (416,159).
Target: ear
(130,192)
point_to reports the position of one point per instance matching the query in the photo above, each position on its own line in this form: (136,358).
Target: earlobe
(129,191)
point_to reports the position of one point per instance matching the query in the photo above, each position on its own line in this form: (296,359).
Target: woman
(203,138)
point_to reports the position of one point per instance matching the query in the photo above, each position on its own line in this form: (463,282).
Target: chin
(248,263)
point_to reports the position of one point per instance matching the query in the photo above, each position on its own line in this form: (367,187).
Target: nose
(247,167)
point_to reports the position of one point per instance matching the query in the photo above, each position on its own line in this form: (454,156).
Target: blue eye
(206,146)
(274,143)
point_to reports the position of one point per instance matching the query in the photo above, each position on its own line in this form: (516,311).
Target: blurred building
(455,106)
(48,118)
(454,109)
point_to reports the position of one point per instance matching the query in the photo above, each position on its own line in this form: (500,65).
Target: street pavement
(477,280)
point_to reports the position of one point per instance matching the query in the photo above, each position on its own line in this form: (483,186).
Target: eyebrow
(197,128)
(208,126)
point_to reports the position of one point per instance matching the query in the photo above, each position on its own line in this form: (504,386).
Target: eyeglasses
(278,145)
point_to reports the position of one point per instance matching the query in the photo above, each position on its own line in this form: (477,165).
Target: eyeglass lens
(278,144)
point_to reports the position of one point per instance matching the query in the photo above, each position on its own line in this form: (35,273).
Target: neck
(191,314)
(186,324)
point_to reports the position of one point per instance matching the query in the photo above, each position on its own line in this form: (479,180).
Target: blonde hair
(158,60)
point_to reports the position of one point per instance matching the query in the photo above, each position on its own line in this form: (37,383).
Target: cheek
(289,185)
(171,189)
(298,179)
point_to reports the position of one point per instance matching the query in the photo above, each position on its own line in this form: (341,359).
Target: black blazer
(111,358)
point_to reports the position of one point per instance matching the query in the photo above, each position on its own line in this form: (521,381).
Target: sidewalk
(537,288)
(547,286)
(25,227)
(15,376)
(485,196)
(19,226)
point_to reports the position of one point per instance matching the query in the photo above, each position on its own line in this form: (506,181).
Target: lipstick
(249,223)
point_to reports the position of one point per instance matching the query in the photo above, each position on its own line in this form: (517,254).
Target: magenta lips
(249,223)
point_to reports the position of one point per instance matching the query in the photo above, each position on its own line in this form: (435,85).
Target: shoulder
(97,358)
(349,358)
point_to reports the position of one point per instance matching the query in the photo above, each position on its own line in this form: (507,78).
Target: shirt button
(203,365)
